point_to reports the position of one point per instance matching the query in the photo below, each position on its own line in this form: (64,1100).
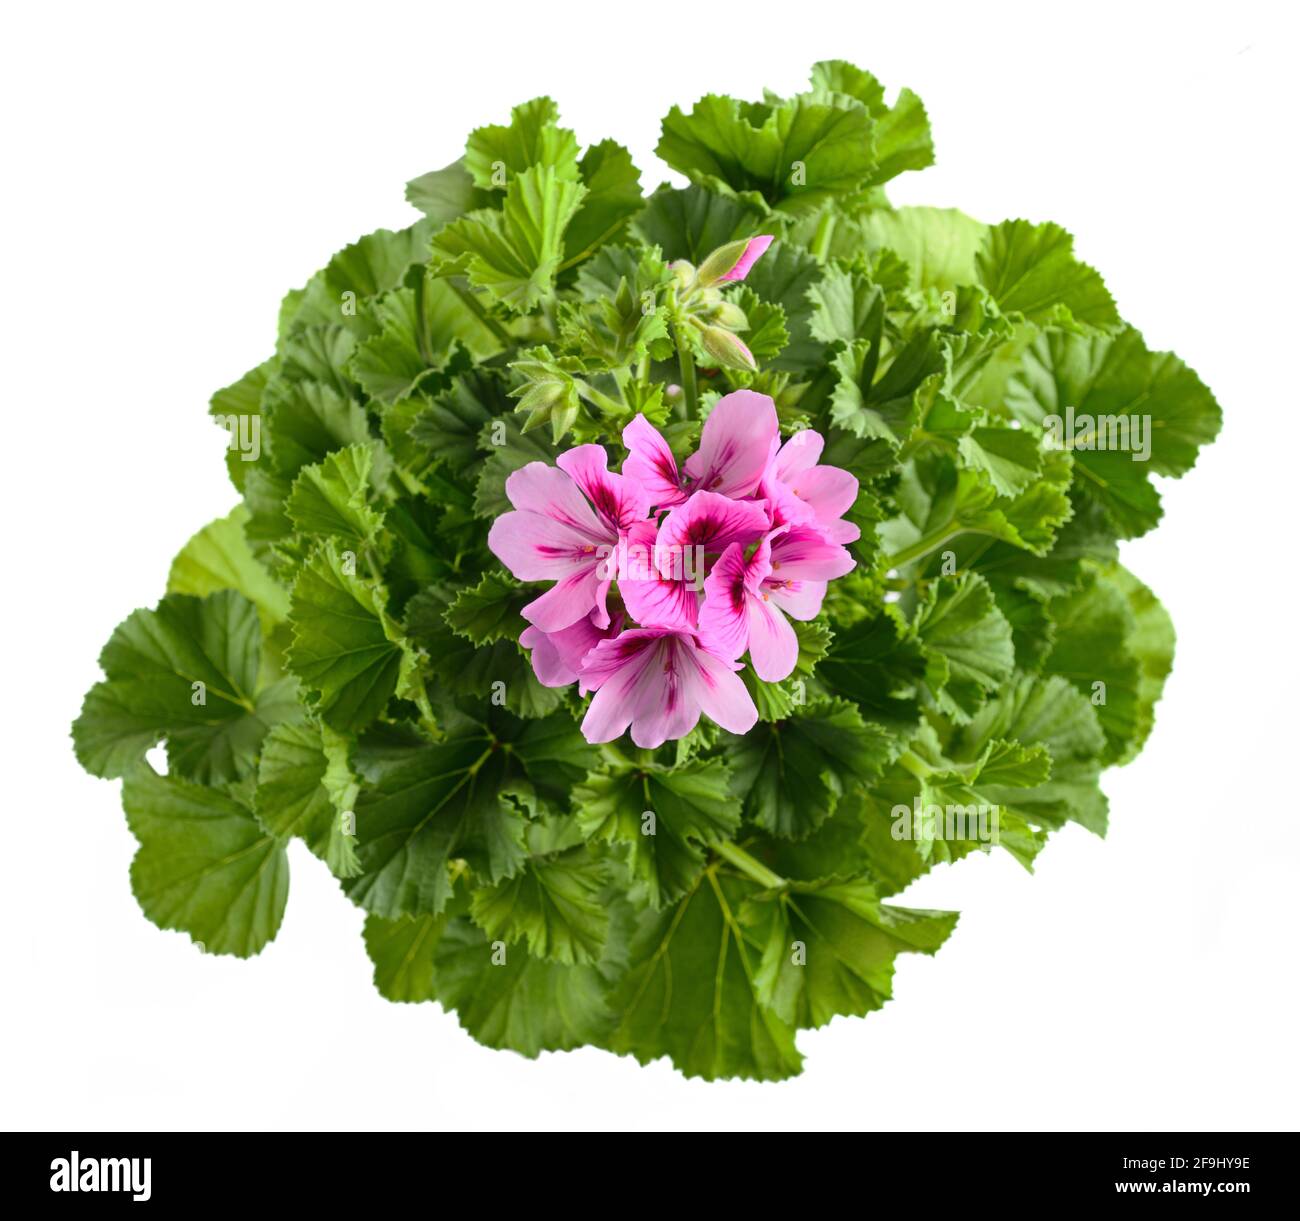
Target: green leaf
(506,998)
(305,788)
(502,995)
(792,772)
(794,154)
(238,408)
(939,245)
(1046,712)
(554,904)
(692,992)
(514,254)
(495,154)
(876,666)
(186,671)
(308,421)
(402,952)
(1009,457)
(846,306)
(345,649)
(1031,270)
(1134,413)
(333,499)
(691,223)
(1114,659)
(490,610)
(829,947)
(446,194)
(417,333)
(205,866)
(423,803)
(449,427)
(218,557)
(959,622)
(901,135)
(665,817)
(613,197)
(784,276)
(509,448)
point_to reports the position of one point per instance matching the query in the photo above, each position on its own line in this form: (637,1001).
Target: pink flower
(558,533)
(754,250)
(707,524)
(827,491)
(659,681)
(557,656)
(736,446)
(744,598)
(710,559)
(650,463)
(655,598)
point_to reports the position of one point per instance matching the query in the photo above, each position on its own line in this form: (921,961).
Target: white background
(169,174)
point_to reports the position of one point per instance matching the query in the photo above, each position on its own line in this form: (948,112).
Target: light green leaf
(959,623)
(829,947)
(794,154)
(554,904)
(205,866)
(532,138)
(1031,270)
(296,773)
(333,499)
(188,672)
(514,254)
(218,557)
(1135,413)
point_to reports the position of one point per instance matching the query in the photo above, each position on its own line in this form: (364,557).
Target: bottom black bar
(161,1171)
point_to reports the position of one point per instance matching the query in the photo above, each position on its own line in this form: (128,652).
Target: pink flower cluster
(708,560)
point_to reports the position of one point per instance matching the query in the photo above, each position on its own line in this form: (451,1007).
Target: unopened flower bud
(683,272)
(729,315)
(732,261)
(727,350)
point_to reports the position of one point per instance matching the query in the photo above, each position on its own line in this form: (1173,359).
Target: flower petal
(535,547)
(799,599)
(773,646)
(728,590)
(735,444)
(557,656)
(548,491)
(829,490)
(803,553)
(707,523)
(619,502)
(719,691)
(569,600)
(799,453)
(650,463)
(753,252)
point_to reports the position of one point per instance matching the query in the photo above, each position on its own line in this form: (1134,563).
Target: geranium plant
(630,594)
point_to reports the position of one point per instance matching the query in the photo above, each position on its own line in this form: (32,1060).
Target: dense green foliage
(338,659)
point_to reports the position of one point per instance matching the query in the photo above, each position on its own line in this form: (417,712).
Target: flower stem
(686,362)
(821,242)
(747,865)
(924,545)
(466,294)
